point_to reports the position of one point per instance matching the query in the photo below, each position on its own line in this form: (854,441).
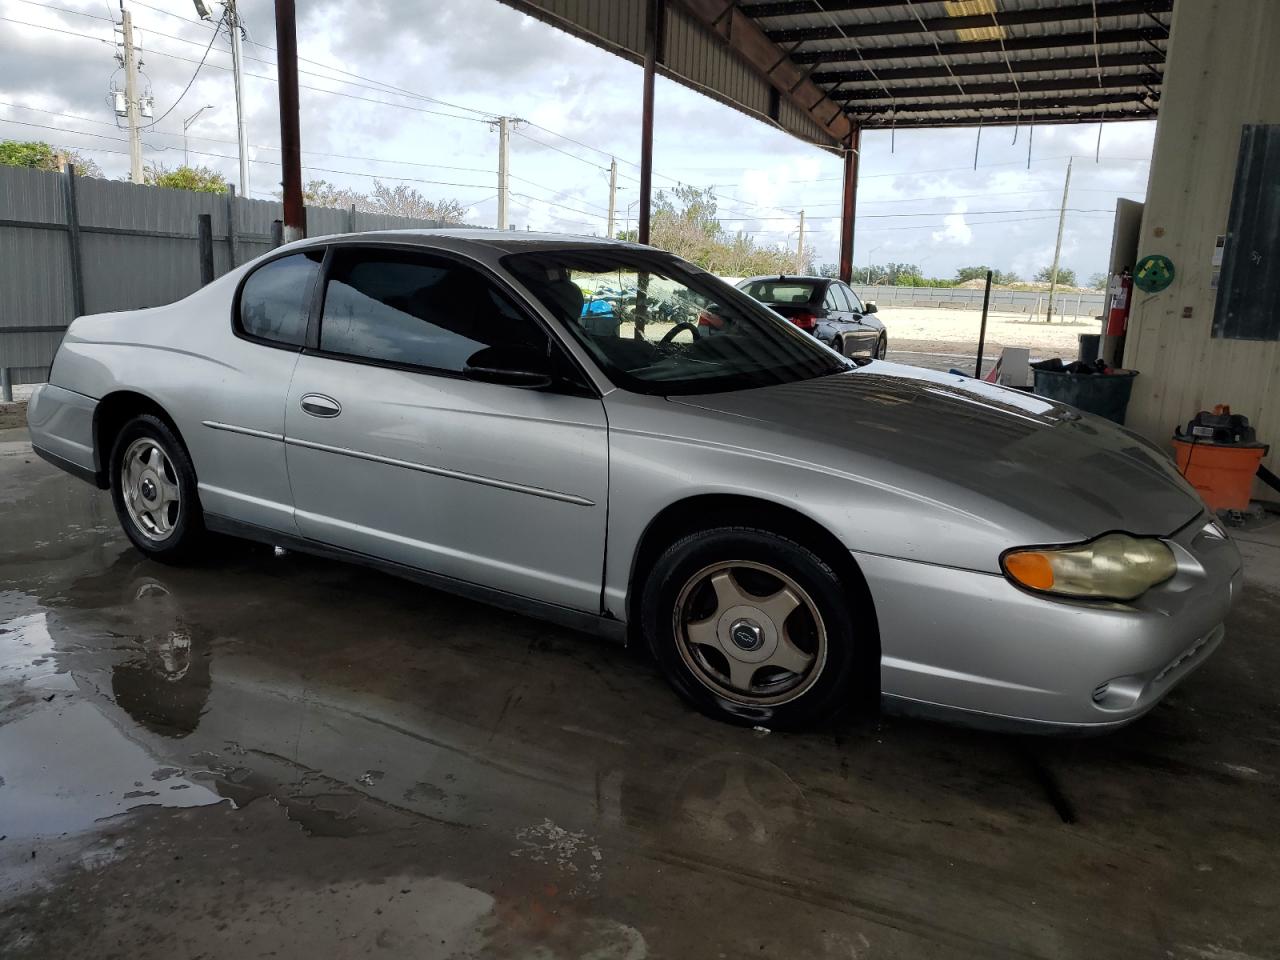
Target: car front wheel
(882,347)
(153,488)
(753,627)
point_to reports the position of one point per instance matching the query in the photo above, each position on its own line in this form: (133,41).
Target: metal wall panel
(155,261)
(691,54)
(1220,77)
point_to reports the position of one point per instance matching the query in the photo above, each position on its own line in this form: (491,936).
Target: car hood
(988,449)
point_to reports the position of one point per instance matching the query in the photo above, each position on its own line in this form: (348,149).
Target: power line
(195,74)
(257,76)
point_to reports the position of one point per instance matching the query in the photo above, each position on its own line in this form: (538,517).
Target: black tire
(185,532)
(882,347)
(837,344)
(823,693)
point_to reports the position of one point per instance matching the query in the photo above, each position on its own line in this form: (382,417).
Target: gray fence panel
(138,249)
(1009,301)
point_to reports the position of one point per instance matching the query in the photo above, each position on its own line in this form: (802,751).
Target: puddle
(84,772)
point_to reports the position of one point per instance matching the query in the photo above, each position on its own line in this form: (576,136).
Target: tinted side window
(416,310)
(833,300)
(276,298)
(854,303)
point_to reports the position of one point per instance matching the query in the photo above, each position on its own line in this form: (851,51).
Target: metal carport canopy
(824,70)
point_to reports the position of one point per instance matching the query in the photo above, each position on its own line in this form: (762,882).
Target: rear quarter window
(275,300)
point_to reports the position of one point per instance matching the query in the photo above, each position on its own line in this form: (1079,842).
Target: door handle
(318,405)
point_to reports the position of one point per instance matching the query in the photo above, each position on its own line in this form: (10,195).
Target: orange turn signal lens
(1031,569)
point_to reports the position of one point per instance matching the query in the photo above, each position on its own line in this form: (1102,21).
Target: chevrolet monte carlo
(790,531)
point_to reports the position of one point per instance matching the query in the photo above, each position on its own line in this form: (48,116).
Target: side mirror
(512,366)
(868,307)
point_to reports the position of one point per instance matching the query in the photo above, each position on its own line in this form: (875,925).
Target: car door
(394,453)
(863,333)
(837,321)
(239,445)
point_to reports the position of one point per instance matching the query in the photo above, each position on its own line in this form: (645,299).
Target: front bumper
(972,645)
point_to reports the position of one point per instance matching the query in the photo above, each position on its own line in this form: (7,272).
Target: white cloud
(956,230)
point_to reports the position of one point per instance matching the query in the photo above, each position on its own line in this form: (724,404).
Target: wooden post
(233,232)
(204,236)
(73,237)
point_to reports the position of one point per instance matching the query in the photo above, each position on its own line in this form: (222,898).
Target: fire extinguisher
(1118,314)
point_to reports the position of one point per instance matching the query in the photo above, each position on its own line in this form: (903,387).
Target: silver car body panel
(925,478)
(475,481)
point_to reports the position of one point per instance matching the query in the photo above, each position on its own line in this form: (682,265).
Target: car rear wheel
(153,488)
(752,627)
(838,346)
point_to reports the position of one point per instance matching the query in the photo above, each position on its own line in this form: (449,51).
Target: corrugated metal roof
(902,63)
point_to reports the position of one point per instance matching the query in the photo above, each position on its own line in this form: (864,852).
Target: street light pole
(186,124)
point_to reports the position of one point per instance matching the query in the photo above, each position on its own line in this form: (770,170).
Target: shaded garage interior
(319,760)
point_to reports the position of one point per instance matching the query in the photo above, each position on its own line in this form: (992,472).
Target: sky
(404,90)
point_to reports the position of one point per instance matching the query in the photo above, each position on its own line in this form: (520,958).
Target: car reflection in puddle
(166,688)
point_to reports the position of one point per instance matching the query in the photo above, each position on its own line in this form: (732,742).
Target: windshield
(656,325)
(782,291)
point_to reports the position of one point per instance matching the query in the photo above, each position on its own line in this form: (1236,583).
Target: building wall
(1223,71)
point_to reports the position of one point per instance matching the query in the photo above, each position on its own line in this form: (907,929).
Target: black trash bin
(1104,394)
(1090,344)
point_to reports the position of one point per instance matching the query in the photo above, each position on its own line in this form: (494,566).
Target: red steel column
(295,214)
(850,203)
(652,40)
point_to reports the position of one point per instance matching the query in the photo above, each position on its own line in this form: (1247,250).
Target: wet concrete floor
(288,757)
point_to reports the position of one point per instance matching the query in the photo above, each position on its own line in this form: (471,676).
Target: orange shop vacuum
(1219,454)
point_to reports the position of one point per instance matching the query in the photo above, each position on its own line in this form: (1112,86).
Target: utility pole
(237,72)
(295,214)
(504,147)
(132,106)
(1057,250)
(800,246)
(613,191)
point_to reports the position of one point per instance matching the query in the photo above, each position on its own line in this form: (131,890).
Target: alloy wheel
(150,489)
(750,633)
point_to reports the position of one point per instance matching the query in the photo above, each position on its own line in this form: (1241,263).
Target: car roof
(790,278)
(502,241)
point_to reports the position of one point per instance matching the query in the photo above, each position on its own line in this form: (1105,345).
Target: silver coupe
(789,531)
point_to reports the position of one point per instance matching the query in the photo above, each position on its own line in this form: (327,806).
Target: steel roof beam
(1104,115)
(1106,61)
(917,51)
(790,8)
(1003,103)
(1081,84)
(1003,18)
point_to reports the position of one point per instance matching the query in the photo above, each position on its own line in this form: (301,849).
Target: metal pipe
(652,39)
(982,330)
(295,214)
(849,205)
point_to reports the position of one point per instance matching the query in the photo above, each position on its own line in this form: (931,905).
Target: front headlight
(1113,567)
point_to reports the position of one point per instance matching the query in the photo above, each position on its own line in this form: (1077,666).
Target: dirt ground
(938,338)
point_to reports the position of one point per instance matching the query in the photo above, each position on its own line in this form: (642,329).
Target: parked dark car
(826,308)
